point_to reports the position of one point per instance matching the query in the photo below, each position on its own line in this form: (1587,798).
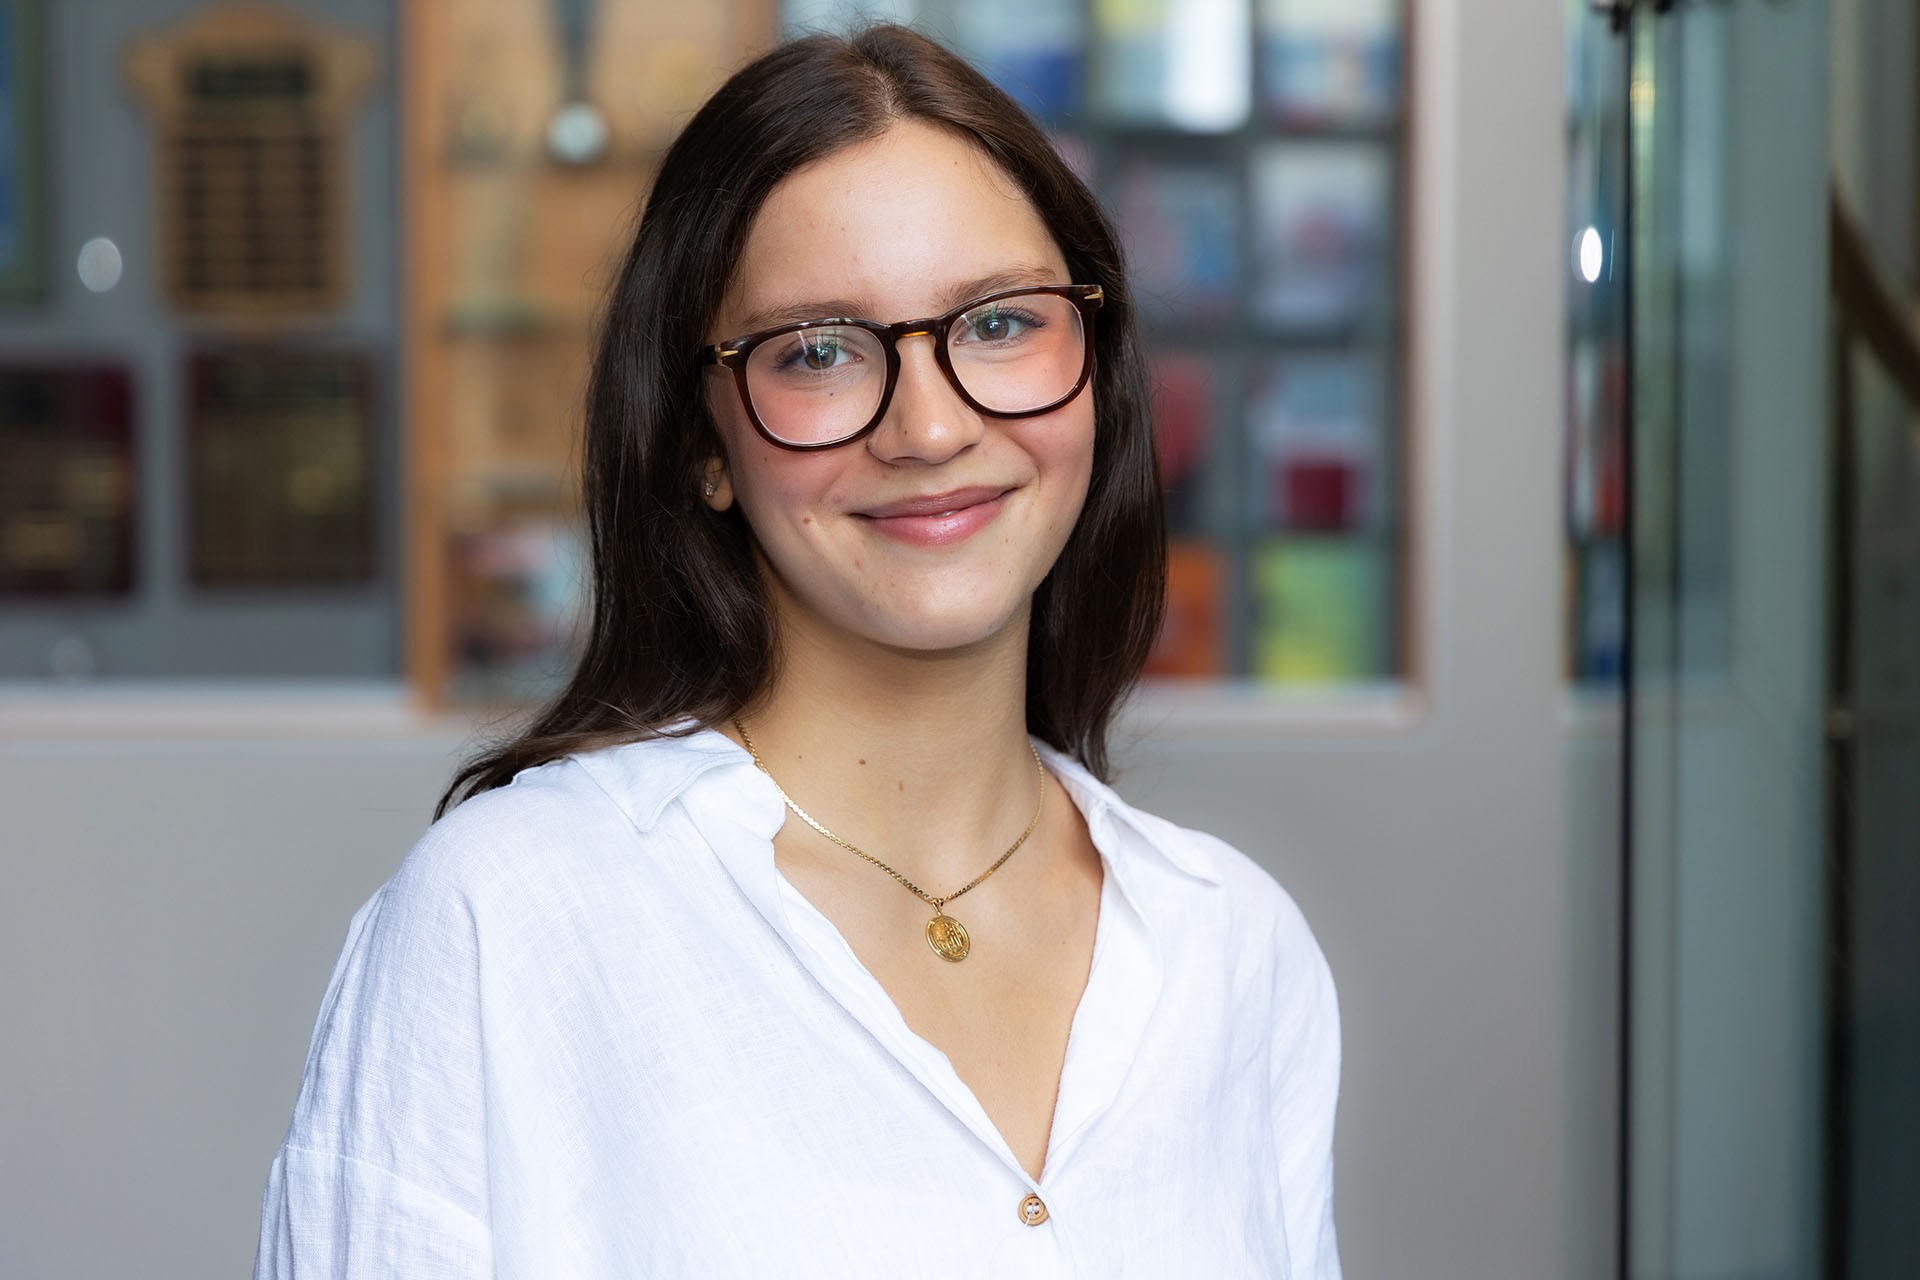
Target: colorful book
(1183,408)
(1330,62)
(1190,641)
(1316,436)
(1181,227)
(1030,48)
(1172,64)
(1321,611)
(1322,217)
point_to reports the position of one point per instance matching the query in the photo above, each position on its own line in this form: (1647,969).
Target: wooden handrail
(1868,305)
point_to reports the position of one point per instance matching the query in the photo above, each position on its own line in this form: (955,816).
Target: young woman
(800,936)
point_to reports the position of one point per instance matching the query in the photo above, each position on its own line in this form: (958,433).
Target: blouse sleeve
(335,1216)
(384,1168)
(1306,1088)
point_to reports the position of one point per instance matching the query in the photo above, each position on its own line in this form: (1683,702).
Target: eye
(819,355)
(816,352)
(1000,323)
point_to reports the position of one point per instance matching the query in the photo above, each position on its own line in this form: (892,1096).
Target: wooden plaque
(66,481)
(252,107)
(280,469)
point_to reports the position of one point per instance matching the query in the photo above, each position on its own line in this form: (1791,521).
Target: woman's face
(907,225)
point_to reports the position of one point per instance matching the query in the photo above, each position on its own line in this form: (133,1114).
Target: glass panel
(1877,854)
(1874,666)
(1729,161)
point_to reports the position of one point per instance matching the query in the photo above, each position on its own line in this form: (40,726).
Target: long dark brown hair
(682,632)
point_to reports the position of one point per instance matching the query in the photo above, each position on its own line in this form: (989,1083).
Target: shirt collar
(1099,804)
(737,810)
(644,778)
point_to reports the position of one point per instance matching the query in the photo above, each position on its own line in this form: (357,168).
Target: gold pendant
(948,938)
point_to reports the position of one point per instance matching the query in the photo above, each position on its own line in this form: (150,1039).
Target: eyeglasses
(820,383)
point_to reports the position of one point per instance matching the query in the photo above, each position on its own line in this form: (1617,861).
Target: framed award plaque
(252,106)
(279,468)
(66,481)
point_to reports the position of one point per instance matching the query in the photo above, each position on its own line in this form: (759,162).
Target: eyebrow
(780,313)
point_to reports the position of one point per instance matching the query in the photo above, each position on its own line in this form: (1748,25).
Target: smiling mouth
(936,504)
(938,519)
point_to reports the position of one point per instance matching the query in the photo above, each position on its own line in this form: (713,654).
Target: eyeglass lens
(1012,355)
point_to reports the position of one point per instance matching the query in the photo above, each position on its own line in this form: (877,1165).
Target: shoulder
(1244,897)
(493,844)
(1255,890)
(1261,913)
(1250,924)
(1279,974)
(562,820)
(508,880)
(425,925)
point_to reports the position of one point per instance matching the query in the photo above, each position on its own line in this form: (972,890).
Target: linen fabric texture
(588,1030)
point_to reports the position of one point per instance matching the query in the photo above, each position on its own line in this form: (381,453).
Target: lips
(937,519)
(935,504)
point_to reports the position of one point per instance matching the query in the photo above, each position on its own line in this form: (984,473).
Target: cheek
(777,489)
(752,464)
(777,478)
(1064,452)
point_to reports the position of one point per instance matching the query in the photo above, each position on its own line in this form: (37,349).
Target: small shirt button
(1033,1211)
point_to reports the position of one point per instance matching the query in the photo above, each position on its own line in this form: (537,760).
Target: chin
(946,631)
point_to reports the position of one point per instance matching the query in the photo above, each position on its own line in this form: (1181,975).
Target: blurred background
(1537,392)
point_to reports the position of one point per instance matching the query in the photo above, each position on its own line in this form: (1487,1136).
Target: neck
(920,759)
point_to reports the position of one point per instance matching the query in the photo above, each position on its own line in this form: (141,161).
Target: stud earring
(709,489)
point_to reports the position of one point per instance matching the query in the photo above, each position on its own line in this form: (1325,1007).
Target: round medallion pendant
(948,938)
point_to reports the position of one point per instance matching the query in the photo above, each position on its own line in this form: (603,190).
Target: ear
(716,484)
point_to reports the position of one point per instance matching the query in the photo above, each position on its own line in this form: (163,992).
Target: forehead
(888,228)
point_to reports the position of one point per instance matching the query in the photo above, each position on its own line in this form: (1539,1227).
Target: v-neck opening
(1109,1020)
(867,999)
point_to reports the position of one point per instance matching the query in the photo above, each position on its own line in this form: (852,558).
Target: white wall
(171,901)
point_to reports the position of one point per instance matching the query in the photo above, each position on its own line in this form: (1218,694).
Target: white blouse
(589,1031)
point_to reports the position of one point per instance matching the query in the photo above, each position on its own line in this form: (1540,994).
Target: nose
(926,421)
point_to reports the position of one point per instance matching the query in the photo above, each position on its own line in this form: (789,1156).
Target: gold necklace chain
(947,936)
